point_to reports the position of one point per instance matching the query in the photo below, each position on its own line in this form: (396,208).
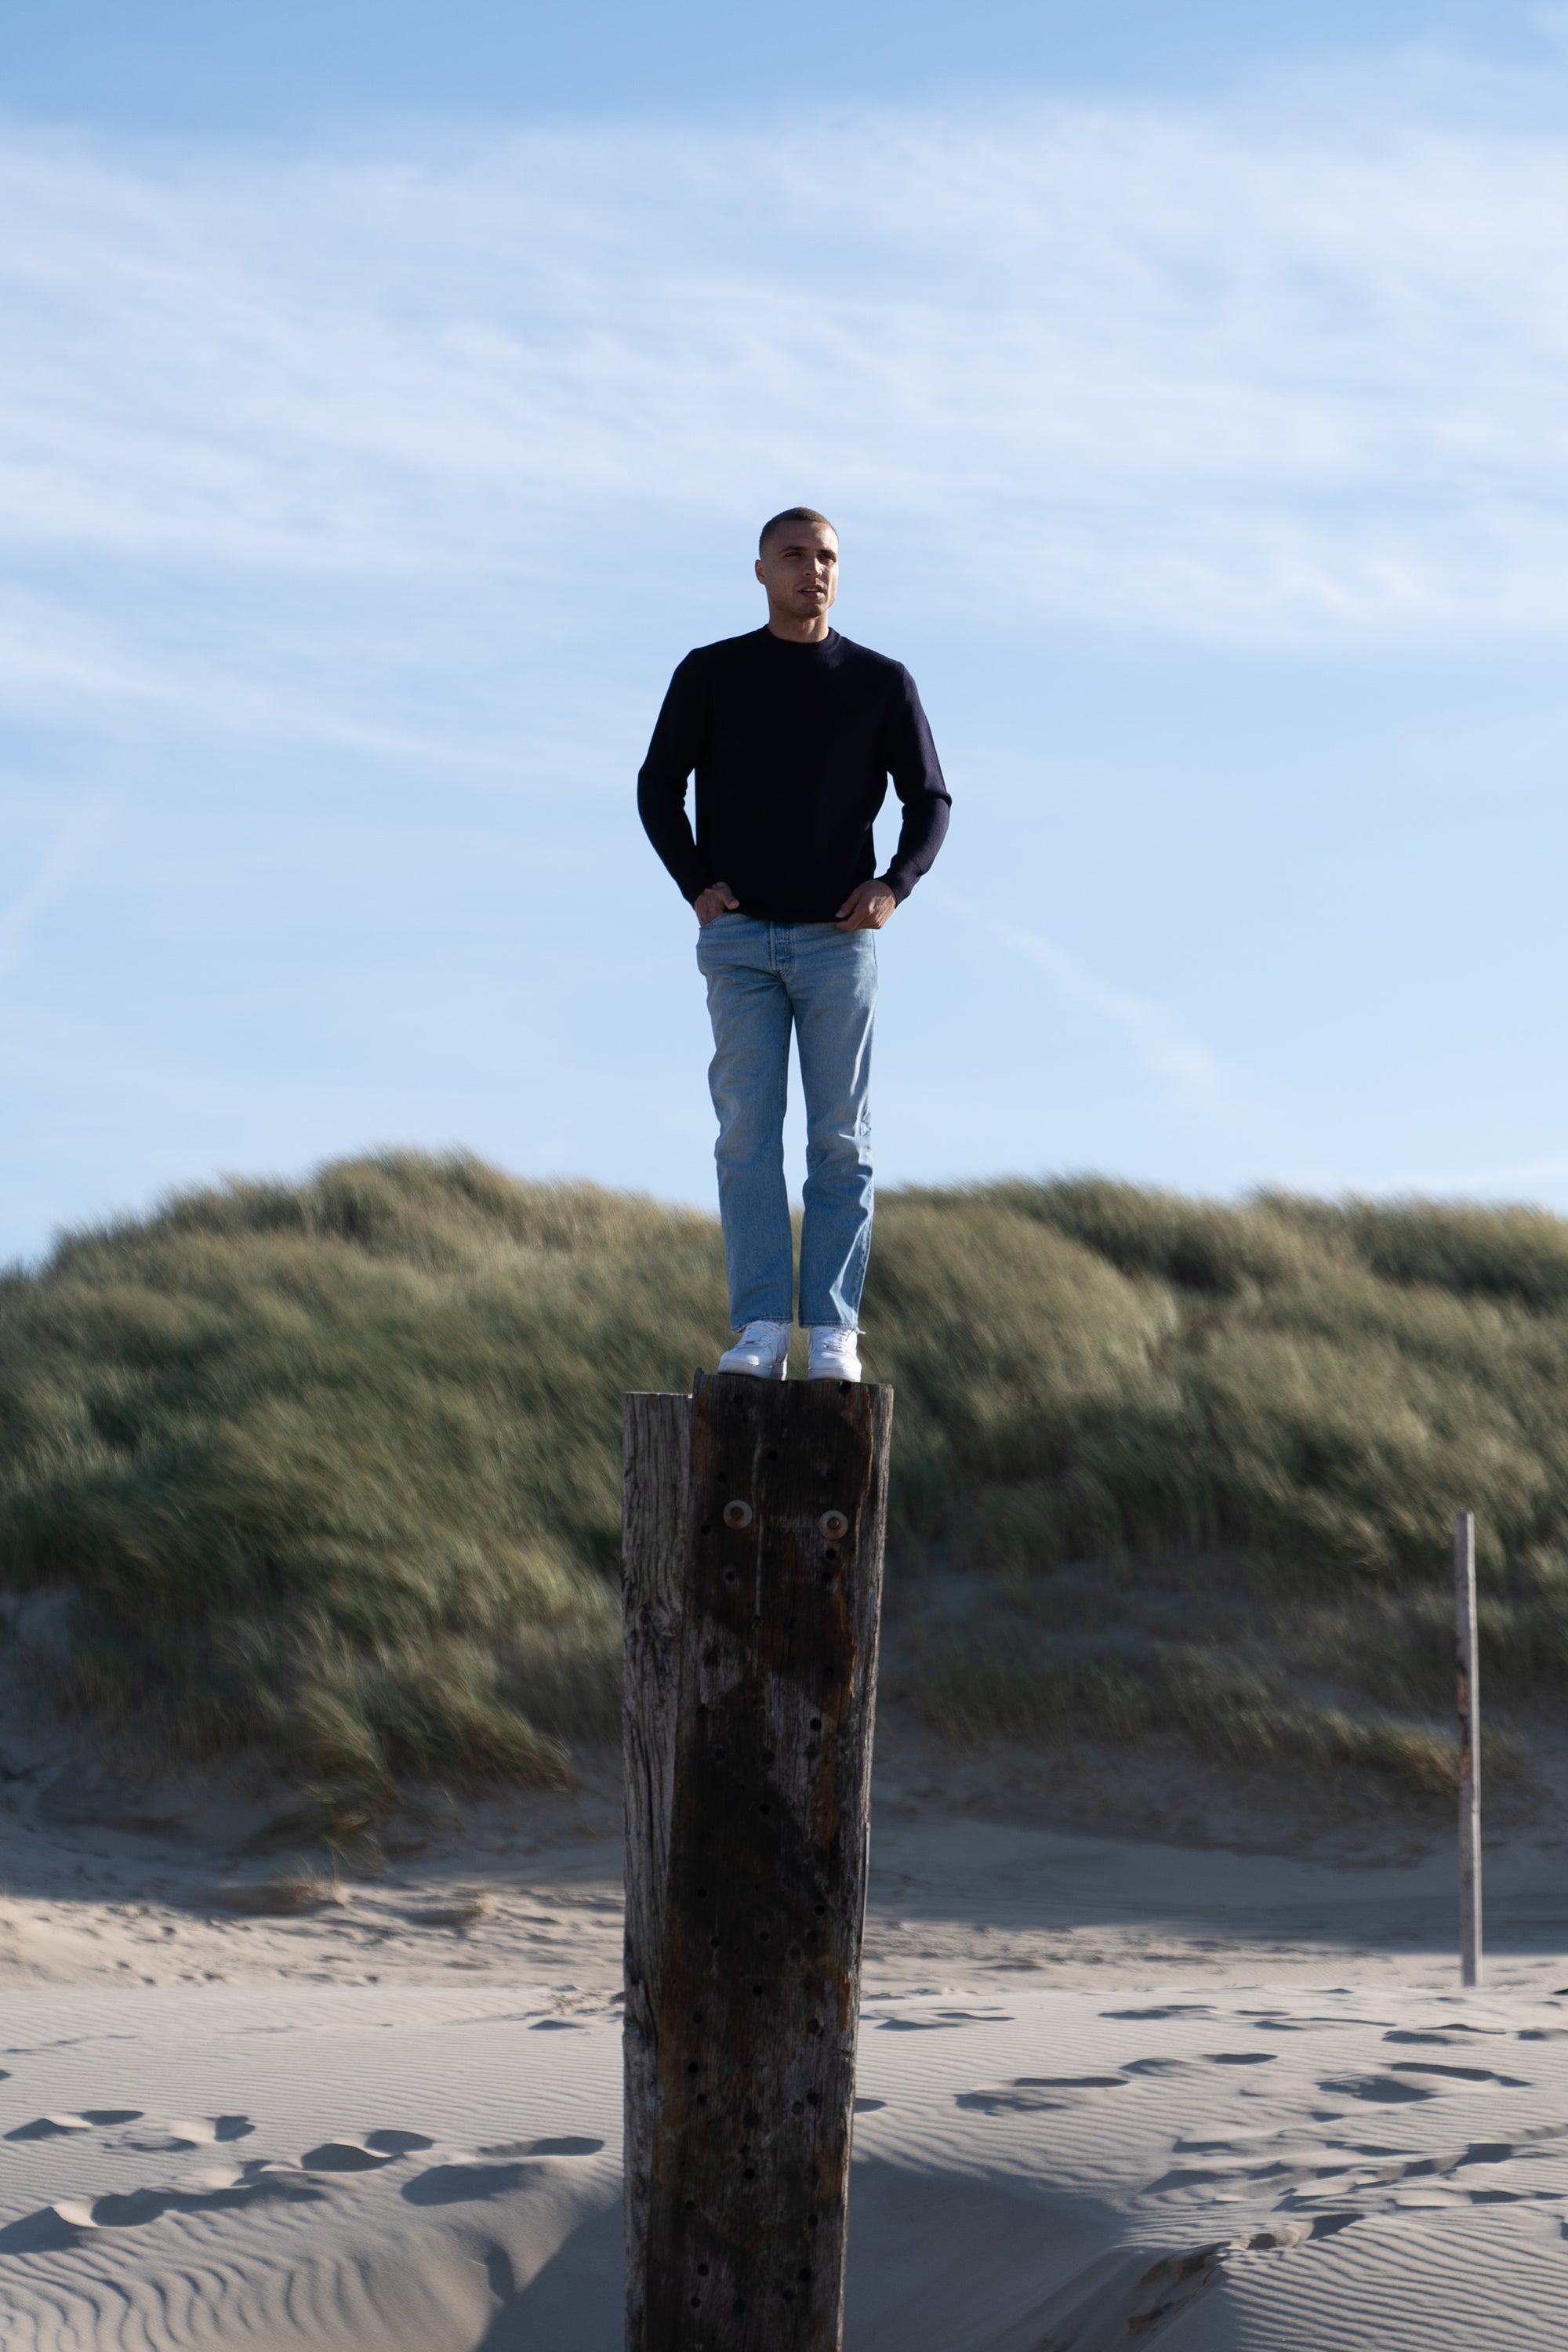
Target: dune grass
(333,1466)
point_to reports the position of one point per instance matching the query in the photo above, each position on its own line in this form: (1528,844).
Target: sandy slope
(105,1880)
(295,2166)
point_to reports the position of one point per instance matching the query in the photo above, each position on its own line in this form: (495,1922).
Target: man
(793,732)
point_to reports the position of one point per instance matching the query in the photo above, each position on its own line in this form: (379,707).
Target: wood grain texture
(766,1889)
(1470,1710)
(655,1558)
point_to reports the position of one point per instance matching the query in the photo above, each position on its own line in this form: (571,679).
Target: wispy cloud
(1194,1075)
(1243,373)
(77,840)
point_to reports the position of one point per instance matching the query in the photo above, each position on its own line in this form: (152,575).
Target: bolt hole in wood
(737,1514)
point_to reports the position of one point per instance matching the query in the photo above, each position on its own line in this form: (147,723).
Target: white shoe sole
(754,1371)
(855,1375)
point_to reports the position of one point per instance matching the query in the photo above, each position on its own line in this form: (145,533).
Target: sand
(1113,2090)
(427,2167)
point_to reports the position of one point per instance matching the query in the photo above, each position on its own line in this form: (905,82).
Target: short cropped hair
(791,514)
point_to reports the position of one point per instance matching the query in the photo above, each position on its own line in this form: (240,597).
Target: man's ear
(757,567)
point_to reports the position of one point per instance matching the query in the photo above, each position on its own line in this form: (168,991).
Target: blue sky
(390,398)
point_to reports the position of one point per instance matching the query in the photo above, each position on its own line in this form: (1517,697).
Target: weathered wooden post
(755,1515)
(1468,1658)
(655,1552)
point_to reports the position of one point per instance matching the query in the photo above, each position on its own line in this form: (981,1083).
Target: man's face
(799,568)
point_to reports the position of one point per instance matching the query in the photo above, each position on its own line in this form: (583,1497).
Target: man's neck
(813,632)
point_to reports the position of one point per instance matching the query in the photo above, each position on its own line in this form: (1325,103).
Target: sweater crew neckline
(793,646)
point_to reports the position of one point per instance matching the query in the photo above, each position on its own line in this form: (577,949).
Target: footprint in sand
(1195,2065)
(64,2223)
(463,2183)
(471,2179)
(367,2153)
(1444,2035)
(345,2155)
(131,2211)
(1383,2090)
(1171,2009)
(1274,2021)
(1038,2094)
(1068,2082)
(89,2119)
(568,2144)
(1228,2144)
(943,2020)
(1458,2074)
(1395,2087)
(194,2131)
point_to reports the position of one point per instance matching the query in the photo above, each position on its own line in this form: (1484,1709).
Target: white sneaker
(833,1355)
(761,1349)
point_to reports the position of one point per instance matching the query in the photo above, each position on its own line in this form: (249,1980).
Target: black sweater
(793,745)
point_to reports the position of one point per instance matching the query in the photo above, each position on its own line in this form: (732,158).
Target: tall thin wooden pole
(740,2068)
(1468,1662)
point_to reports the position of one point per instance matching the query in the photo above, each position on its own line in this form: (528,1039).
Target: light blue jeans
(764,979)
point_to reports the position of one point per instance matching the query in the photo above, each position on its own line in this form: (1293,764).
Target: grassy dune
(333,1467)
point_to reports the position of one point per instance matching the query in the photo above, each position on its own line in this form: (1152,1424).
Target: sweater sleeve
(912,762)
(677,739)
